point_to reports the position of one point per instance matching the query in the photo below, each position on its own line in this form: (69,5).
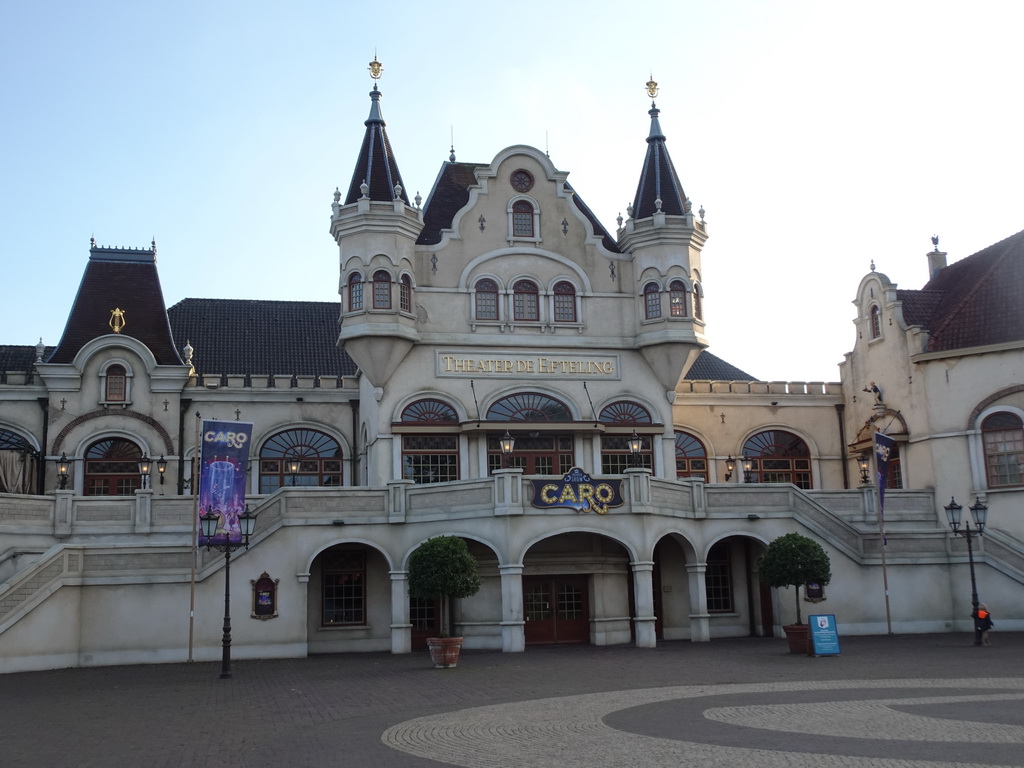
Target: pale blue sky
(817,135)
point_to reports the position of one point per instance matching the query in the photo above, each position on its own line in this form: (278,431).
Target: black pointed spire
(659,188)
(376,166)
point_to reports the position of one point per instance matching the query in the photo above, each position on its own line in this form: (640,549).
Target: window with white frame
(564,302)
(486,299)
(1003,441)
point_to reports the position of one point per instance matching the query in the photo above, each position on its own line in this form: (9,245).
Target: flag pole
(194,487)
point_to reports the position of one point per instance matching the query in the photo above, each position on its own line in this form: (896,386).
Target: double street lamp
(980,513)
(246,523)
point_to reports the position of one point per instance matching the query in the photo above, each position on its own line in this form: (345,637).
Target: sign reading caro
(578,491)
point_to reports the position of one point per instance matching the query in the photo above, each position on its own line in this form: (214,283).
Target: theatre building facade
(507,371)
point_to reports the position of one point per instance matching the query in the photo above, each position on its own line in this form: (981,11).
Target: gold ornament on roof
(117,321)
(376,68)
(652,87)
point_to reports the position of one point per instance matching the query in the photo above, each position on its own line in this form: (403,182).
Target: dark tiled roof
(708,367)
(125,279)
(606,239)
(449,195)
(19,358)
(376,164)
(658,178)
(240,337)
(974,302)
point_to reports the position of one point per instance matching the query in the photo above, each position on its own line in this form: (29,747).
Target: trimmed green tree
(442,568)
(794,560)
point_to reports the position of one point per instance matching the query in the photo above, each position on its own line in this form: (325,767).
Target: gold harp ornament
(117,321)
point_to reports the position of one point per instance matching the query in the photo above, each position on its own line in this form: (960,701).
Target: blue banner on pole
(223,463)
(884,447)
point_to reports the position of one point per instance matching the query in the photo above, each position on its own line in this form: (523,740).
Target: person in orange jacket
(983,622)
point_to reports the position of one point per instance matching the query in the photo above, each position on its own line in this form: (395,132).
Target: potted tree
(794,560)
(442,568)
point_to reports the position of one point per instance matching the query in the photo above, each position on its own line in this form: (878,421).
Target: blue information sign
(824,635)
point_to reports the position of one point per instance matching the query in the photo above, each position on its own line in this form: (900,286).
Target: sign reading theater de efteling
(578,491)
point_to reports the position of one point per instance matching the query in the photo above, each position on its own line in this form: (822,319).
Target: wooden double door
(556,609)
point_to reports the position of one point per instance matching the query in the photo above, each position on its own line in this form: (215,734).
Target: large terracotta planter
(798,636)
(444,651)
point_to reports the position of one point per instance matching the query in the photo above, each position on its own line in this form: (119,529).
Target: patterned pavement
(908,701)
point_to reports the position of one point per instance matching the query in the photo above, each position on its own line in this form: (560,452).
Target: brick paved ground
(730,702)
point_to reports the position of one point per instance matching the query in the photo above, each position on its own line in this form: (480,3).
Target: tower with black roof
(664,241)
(376,228)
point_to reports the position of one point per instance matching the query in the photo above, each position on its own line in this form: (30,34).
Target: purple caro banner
(222,475)
(578,491)
(884,446)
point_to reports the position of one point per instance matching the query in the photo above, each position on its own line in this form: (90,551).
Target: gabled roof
(267,338)
(124,279)
(974,302)
(709,367)
(376,164)
(451,193)
(658,179)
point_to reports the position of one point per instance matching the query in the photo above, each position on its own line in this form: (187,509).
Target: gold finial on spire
(652,87)
(376,68)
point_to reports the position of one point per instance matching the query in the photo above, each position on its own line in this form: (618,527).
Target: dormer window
(355,292)
(677,299)
(524,301)
(522,219)
(381,290)
(652,301)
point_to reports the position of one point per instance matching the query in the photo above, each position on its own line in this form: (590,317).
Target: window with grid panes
(381,290)
(691,457)
(317,456)
(405,294)
(422,613)
(698,299)
(778,457)
(718,579)
(1003,438)
(677,299)
(615,455)
(112,468)
(565,302)
(522,219)
(355,292)
(524,301)
(343,575)
(486,307)
(430,458)
(876,322)
(116,384)
(652,301)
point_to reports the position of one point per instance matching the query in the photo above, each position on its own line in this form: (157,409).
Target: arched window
(698,301)
(405,294)
(1003,437)
(486,299)
(116,385)
(876,322)
(652,301)
(778,457)
(565,302)
(615,454)
(112,468)
(522,219)
(381,290)
(524,301)
(528,406)
(677,299)
(17,463)
(691,457)
(299,457)
(355,292)
(430,458)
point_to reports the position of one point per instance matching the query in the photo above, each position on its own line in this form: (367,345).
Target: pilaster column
(700,619)
(513,626)
(401,626)
(643,597)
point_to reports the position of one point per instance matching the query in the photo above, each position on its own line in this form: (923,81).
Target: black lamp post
(506,443)
(863,462)
(63,470)
(247,523)
(293,469)
(161,468)
(980,513)
(635,444)
(730,467)
(145,467)
(748,464)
